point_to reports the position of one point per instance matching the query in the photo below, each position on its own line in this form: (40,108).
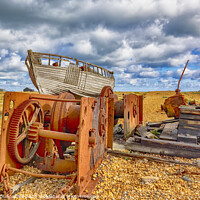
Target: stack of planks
(189,124)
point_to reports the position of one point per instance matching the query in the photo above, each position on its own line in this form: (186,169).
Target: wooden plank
(164,147)
(190,126)
(189,116)
(188,130)
(188,139)
(190,111)
(52,78)
(170,131)
(189,122)
(157,124)
(189,108)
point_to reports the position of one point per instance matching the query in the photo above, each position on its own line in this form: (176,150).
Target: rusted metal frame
(54,99)
(140,109)
(84,150)
(38,175)
(53,164)
(65,189)
(57,115)
(110,122)
(17,98)
(131,113)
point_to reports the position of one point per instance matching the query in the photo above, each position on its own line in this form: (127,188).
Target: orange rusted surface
(171,105)
(131,113)
(13,100)
(131,109)
(45,125)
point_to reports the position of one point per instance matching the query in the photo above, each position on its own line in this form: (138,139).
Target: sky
(145,42)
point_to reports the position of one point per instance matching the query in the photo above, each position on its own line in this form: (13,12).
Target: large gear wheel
(20,148)
(106,91)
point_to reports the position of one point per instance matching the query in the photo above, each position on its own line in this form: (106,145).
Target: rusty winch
(43,127)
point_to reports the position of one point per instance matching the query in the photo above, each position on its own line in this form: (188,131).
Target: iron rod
(54,99)
(62,136)
(38,175)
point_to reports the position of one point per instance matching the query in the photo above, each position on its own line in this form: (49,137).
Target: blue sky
(145,42)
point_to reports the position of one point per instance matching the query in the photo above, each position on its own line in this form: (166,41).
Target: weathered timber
(158,124)
(163,147)
(69,75)
(189,124)
(189,116)
(157,128)
(188,130)
(151,158)
(190,110)
(170,131)
(187,138)
(142,130)
(117,129)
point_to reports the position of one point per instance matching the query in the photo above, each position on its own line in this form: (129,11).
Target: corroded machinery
(44,127)
(171,104)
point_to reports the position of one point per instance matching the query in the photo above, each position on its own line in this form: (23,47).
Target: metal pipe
(54,99)
(61,136)
(178,90)
(119,109)
(56,135)
(38,175)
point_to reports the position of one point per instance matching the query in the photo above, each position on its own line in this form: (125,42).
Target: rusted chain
(66,189)
(5,180)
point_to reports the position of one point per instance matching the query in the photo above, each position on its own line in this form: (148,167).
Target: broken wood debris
(166,130)
(117,129)
(163,147)
(189,124)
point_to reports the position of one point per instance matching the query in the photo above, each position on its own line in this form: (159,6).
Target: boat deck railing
(58,61)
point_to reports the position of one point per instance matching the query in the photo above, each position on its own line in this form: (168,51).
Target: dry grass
(1,106)
(152,103)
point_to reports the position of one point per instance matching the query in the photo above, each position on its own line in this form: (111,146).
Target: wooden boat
(55,74)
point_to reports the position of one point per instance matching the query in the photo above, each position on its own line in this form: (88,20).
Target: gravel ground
(123,178)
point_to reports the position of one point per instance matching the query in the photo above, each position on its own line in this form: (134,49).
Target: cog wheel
(106,91)
(20,148)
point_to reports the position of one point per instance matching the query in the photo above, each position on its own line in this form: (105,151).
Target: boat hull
(56,80)
(78,77)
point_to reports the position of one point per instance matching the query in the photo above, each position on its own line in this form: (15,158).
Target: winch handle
(178,90)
